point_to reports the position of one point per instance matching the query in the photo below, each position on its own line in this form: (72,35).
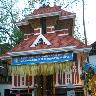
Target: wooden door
(45,85)
(49,85)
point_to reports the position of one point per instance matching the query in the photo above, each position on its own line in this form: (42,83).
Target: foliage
(4,48)
(87,75)
(17,35)
(8,17)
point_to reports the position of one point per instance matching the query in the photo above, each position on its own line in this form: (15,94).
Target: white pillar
(79,70)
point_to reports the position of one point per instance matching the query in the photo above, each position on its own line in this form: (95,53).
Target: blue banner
(43,58)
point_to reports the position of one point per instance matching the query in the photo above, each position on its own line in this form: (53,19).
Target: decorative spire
(45,3)
(54,3)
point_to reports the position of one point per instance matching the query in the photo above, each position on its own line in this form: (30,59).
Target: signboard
(43,58)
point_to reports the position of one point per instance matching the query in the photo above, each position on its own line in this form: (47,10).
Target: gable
(40,40)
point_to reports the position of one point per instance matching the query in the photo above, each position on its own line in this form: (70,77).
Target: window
(43,24)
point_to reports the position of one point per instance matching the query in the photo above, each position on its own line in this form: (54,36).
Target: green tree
(16,35)
(4,48)
(8,16)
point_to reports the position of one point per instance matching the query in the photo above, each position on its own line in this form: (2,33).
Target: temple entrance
(45,85)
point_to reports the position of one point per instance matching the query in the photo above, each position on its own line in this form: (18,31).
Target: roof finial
(54,3)
(45,3)
(48,3)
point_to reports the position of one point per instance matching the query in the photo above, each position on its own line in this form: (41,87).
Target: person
(18,93)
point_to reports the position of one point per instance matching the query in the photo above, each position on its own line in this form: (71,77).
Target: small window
(43,24)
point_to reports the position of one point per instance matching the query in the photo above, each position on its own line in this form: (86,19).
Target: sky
(90,16)
(90,19)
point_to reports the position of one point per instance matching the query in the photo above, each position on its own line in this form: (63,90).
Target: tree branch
(5,30)
(70,3)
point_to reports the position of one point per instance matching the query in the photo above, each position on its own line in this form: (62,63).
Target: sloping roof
(48,9)
(55,40)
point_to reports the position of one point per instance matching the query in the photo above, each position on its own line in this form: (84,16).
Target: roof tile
(53,38)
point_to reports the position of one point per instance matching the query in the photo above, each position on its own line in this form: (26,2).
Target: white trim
(50,27)
(61,30)
(40,51)
(51,32)
(13,81)
(38,29)
(37,40)
(43,51)
(43,15)
(27,36)
(73,15)
(57,79)
(79,70)
(63,34)
(84,49)
(37,34)
(58,30)
(73,25)
(5,57)
(22,23)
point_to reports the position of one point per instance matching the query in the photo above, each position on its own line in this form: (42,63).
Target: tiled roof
(55,40)
(48,9)
(42,11)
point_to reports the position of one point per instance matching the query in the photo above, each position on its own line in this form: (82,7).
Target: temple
(48,61)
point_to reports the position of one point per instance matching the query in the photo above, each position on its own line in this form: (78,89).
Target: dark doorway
(44,85)
(7,92)
(49,85)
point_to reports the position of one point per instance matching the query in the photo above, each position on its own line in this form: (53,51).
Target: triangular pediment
(40,40)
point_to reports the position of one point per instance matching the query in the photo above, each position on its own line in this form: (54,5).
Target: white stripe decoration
(36,42)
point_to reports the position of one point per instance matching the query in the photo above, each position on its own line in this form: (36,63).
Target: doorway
(45,85)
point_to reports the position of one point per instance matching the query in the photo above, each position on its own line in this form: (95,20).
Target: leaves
(4,48)
(16,35)
(8,29)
